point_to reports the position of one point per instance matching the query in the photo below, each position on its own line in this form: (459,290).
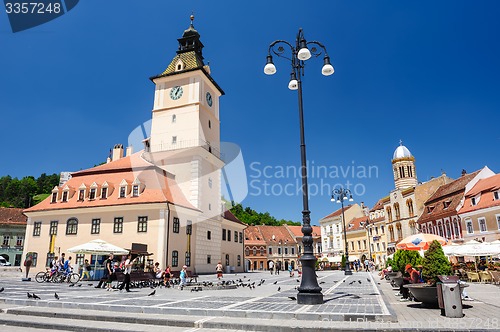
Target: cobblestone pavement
(351,302)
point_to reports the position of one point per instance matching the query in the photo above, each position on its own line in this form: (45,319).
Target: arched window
(409,204)
(247,251)
(391,233)
(413,228)
(262,251)
(396,210)
(424,229)
(399,230)
(254,251)
(72,226)
(448,230)
(440,229)
(389,213)
(456,229)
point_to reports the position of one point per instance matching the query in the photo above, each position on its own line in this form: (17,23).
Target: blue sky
(425,72)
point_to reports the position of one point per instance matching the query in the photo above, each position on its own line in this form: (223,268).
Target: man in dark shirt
(108,271)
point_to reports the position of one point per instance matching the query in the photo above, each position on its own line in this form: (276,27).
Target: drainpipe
(168,234)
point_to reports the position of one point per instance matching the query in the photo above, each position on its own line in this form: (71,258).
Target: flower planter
(424,293)
(397,282)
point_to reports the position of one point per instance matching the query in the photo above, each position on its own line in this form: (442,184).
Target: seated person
(157,271)
(413,277)
(482,265)
(385,272)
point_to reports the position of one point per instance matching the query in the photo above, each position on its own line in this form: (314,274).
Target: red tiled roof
(231,217)
(485,187)
(12,216)
(265,233)
(337,213)
(444,202)
(297,230)
(379,205)
(254,236)
(159,186)
(355,224)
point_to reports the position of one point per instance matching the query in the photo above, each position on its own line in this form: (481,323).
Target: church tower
(185,141)
(403,166)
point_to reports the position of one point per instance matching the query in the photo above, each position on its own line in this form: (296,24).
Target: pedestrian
(86,269)
(67,267)
(367,265)
(158,272)
(290,270)
(278,267)
(127,269)
(271,266)
(183,276)
(166,276)
(219,268)
(60,262)
(27,263)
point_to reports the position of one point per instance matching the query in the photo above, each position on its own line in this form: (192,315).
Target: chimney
(129,151)
(117,152)
(464,172)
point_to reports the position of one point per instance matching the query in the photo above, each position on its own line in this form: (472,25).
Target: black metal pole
(347,270)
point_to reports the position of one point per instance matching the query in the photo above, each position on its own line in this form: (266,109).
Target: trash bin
(449,296)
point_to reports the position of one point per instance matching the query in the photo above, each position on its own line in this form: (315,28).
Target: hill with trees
(252,217)
(26,192)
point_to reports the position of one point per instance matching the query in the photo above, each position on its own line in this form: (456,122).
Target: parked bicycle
(58,276)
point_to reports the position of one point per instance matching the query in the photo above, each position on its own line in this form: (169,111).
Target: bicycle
(68,276)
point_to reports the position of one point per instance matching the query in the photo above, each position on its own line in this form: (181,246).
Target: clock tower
(185,138)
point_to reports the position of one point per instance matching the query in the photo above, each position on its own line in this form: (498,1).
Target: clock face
(176,92)
(209,99)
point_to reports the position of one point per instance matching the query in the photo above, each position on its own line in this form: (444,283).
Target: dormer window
(496,195)
(65,196)
(430,208)
(54,197)
(446,204)
(475,200)
(135,190)
(92,193)
(81,194)
(179,65)
(123,191)
(104,193)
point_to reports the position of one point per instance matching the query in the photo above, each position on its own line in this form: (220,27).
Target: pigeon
(30,296)
(293,298)
(274,283)
(56,296)
(152,293)
(352,282)
(359,281)
(2,289)
(36,297)
(279,288)
(71,285)
(368,279)
(297,280)
(90,284)
(321,282)
(343,280)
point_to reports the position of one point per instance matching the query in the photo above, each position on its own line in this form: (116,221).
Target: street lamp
(309,290)
(340,195)
(368,232)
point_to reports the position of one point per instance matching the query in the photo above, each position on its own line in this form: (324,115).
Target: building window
(118,225)
(176,225)
(262,251)
(209,259)
(286,250)
(210,126)
(270,250)
(72,226)
(104,193)
(229,235)
(224,234)
(80,259)
(123,191)
(279,250)
(396,210)
(482,224)
(209,235)
(389,213)
(188,259)
(241,237)
(209,206)
(175,258)
(254,251)
(96,226)
(81,195)
(37,228)
(54,197)
(468,225)
(92,193)
(6,240)
(457,231)
(174,139)
(34,257)
(142,224)
(293,250)
(65,196)
(19,240)
(135,191)
(174,118)
(227,259)
(496,195)
(238,260)
(247,251)
(235,237)
(210,182)
(53,227)
(189,227)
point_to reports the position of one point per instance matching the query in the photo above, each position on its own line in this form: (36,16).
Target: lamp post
(309,290)
(368,233)
(340,195)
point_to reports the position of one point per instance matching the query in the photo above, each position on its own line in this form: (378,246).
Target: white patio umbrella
(98,247)
(477,249)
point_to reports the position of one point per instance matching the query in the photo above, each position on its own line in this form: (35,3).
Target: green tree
(403,257)
(435,263)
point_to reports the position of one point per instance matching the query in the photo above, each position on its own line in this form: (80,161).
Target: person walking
(127,269)
(183,276)
(166,276)
(27,264)
(108,266)
(271,266)
(86,269)
(219,269)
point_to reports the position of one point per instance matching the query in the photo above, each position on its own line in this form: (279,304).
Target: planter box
(428,295)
